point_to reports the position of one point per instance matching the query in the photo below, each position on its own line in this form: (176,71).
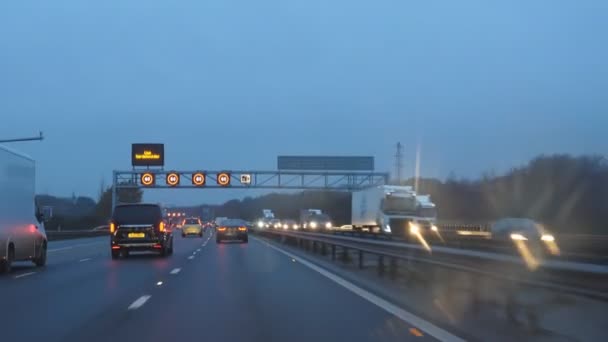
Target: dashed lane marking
(139,302)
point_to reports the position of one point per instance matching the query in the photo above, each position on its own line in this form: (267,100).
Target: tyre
(246,239)
(183,235)
(218,240)
(115,254)
(200,234)
(40,261)
(7,265)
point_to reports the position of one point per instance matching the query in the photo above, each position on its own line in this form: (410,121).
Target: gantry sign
(314,174)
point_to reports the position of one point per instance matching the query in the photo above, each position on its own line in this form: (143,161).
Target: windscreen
(398,204)
(137,214)
(427,212)
(191,221)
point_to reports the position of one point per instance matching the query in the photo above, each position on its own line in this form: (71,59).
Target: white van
(22,235)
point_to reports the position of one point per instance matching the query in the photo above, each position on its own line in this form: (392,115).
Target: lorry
(22,234)
(394,210)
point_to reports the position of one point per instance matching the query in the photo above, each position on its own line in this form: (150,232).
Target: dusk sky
(480,85)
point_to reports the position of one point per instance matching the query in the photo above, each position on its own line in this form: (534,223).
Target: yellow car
(192,226)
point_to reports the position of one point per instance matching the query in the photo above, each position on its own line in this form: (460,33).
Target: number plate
(137,235)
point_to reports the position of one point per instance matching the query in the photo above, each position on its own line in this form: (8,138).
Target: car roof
(138,205)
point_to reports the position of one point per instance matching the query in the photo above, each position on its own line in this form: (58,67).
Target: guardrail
(53,235)
(568,277)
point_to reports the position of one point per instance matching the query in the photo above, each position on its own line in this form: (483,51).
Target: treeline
(566,193)
(84,212)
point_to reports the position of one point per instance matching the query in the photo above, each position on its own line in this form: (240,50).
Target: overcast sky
(479,85)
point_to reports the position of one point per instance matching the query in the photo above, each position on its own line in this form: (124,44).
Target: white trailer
(392,210)
(22,235)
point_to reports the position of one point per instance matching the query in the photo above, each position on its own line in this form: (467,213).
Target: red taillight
(161,226)
(112,227)
(221,229)
(115,247)
(242,229)
(158,246)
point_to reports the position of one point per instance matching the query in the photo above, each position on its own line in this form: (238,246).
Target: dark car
(232,230)
(139,227)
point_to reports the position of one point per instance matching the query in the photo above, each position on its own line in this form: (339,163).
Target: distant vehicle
(275,223)
(317,222)
(192,226)
(395,210)
(139,227)
(232,230)
(22,234)
(290,224)
(305,215)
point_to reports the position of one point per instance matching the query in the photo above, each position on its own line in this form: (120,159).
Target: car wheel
(183,235)
(218,240)
(7,265)
(41,260)
(115,254)
(246,239)
(200,234)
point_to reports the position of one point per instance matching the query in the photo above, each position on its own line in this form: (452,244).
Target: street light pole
(39,137)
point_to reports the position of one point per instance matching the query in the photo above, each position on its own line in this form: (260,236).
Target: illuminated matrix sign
(148,154)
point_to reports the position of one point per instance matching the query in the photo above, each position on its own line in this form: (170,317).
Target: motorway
(226,292)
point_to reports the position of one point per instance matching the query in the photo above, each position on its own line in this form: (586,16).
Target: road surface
(205,291)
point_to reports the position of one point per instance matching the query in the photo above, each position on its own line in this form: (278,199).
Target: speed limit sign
(223,179)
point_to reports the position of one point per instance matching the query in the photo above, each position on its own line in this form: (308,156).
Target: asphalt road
(205,291)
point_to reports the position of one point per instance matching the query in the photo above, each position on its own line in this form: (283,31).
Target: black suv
(139,227)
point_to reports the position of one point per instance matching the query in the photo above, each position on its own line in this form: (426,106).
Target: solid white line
(198,249)
(59,249)
(24,275)
(85,259)
(191,257)
(405,316)
(139,302)
(175,271)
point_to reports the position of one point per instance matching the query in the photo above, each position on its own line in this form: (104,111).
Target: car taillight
(242,229)
(221,229)
(112,227)
(161,226)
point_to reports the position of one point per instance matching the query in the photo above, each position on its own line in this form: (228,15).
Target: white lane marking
(24,275)
(85,259)
(191,257)
(59,249)
(175,271)
(198,249)
(404,315)
(159,283)
(139,302)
